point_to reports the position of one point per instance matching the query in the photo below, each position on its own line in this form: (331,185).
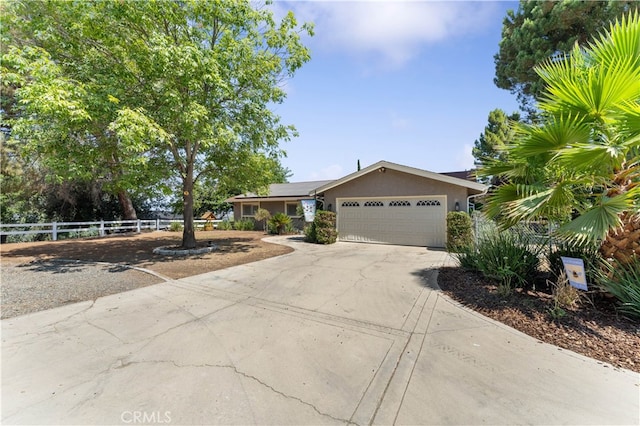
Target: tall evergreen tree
(539,30)
(491,145)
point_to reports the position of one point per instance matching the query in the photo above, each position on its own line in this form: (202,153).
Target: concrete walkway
(348,333)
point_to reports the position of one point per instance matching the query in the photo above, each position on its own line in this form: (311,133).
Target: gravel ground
(43,275)
(46,284)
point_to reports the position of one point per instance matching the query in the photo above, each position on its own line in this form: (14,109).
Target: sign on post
(309,209)
(574,268)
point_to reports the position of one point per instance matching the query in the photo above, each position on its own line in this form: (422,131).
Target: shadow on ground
(234,248)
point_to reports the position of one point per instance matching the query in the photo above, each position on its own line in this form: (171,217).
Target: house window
(374,204)
(400,203)
(350,204)
(249,209)
(291,209)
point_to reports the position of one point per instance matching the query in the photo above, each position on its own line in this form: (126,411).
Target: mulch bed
(594,328)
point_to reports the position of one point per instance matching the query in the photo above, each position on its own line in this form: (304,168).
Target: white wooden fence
(99,228)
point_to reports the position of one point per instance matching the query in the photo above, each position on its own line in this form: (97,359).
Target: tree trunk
(623,244)
(188,233)
(128,211)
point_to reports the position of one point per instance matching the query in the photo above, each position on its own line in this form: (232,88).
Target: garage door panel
(418,221)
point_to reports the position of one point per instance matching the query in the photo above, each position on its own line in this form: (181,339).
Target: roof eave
(254,199)
(405,169)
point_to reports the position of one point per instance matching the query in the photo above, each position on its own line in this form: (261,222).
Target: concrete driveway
(348,333)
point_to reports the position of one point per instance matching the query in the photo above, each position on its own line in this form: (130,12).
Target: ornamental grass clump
(175,227)
(623,281)
(506,257)
(244,225)
(225,225)
(564,297)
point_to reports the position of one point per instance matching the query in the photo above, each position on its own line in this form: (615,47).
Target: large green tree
(539,30)
(253,173)
(498,133)
(581,163)
(152,92)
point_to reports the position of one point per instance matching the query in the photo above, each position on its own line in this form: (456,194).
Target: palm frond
(593,93)
(622,40)
(556,133)
(596,159)
(629,119)
(594,224)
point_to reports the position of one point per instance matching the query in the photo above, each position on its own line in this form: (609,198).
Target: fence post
(138,226)
(157,224)
(102,227)
(54,231)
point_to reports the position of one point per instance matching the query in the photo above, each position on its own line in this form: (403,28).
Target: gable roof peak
(383,165)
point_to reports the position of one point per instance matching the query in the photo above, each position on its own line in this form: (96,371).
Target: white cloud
(334,171)
(464,159)
(392,31)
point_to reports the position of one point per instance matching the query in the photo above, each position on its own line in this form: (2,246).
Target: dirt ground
(44,275)
(234,248)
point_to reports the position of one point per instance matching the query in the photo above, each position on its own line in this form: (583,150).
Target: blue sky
(409,82)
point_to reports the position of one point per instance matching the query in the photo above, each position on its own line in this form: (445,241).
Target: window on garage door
(427,203)
(400,203)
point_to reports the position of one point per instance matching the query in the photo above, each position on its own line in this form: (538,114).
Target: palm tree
(581,165)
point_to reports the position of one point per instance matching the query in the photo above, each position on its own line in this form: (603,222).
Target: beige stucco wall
(394,183)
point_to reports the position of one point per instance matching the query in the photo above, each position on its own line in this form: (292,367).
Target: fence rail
(95,228)
(540,233)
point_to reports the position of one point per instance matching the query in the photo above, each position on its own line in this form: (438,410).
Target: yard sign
(574,268)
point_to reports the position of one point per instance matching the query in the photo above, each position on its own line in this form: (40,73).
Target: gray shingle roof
(294,189)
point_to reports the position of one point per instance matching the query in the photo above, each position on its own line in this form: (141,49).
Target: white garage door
(411,221)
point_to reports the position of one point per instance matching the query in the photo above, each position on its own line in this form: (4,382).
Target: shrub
(323,229)
(290,229)
(310,234)
(504,256)
(459,232)
(244,225)
(264,216)
(225,225)
(623,281)
(278,223)
(590,254)
(564,294)
(175,227)
(509,258)
(467,256)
